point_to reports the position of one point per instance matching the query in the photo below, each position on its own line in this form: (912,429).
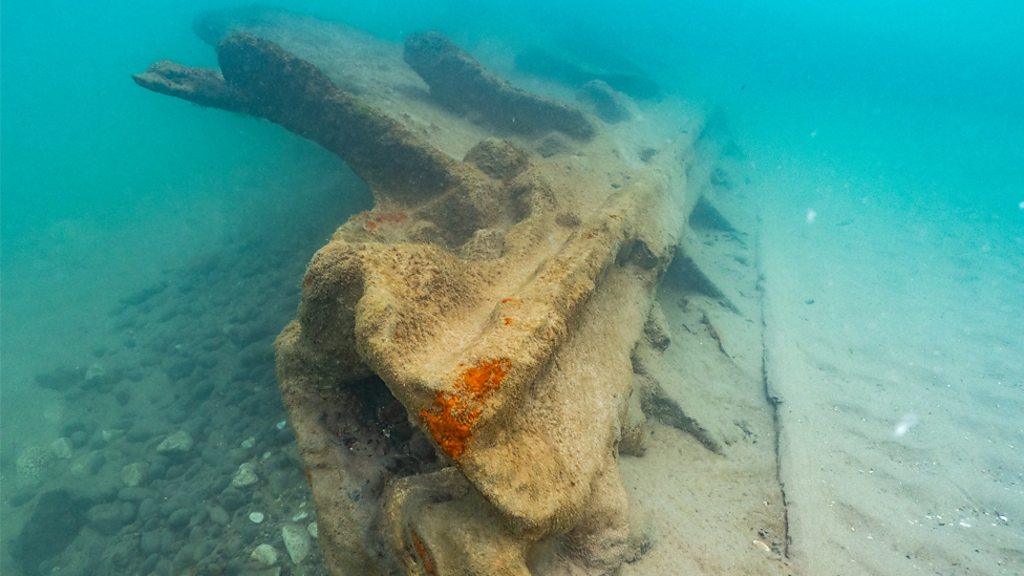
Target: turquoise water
(904,116)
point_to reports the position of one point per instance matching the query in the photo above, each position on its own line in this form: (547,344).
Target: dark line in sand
(772,399)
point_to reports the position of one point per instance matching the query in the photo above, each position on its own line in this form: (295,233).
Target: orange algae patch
(374,220)
(452,416)
(425,558)
(508,321)
(483,377)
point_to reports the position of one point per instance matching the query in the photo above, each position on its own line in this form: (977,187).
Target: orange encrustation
(374,220)
(452,415)
(421,551)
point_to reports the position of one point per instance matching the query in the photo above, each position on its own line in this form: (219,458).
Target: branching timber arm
(261,79)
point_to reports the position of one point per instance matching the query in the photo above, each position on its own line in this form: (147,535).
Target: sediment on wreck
(492,302)
(257,77)
(457,80)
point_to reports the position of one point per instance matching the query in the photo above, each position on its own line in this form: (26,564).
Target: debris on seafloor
(482,314)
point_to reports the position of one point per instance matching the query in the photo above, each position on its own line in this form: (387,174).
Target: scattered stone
(147,508)
(280,425)
(296,542)
(249,442)
(177,443)
(61,448)
(61,379)
(219,515)
(265,554)
(78,438)
(179,518)
(135,494)
(98,376)
(245,476)
(232,499)
(256,517)
(133,474)
(35,463)
(300,516)
(19,499)
(313,529)
(105,518)
(54,523)
(150,543)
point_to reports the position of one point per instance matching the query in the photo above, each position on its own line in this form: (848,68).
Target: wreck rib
(457,80)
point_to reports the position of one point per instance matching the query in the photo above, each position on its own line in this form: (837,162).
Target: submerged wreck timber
(479,361)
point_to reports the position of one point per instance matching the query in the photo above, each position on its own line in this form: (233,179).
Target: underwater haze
(148,242)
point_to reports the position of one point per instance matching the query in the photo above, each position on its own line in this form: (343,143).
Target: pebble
(61,448)
(265,554)
(232,499)
(177,443)
(219,515)
(179,518)
(296,542)
(34,463)
(256,517)
(105,518)
(150,543)
(78,438)
(133,474)
(245,476)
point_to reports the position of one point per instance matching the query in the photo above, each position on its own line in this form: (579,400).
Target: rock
(232,499)
(150,542)
(177,443)
(34,463)
(134,494)
(98,376)
(179,518)
(128,511)
(199,517)
(219,515)
(61,379)
(313,529)
(245,476)
(78,438)
(265,554)
(54,523)
(19,499)
(296,542)
(105,518)
(256,517)
(147,508)
(133,474)
(61,448)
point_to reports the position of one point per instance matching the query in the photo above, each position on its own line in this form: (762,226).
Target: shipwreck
(478,364)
